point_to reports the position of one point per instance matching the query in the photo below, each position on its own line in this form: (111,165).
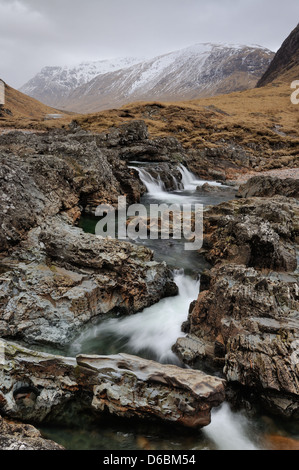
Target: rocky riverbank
(55,279)
(245,320)
(39,387)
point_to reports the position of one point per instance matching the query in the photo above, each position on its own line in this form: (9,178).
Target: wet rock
(208,188)
(18,436)
(269,186)
(247,324)
(42,175)
(64,278)
(256,232)
(123,385)
(277,442)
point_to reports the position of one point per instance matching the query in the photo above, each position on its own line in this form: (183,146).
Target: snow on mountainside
(52,84)
(199,70)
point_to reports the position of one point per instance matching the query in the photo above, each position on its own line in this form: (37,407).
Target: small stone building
(2,93)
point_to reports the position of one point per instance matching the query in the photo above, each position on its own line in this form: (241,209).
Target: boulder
(269,186)
(256,232)
(247,325)
(39,387)
(62,278)
(18,436)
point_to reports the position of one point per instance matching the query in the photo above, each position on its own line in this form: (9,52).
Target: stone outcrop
(256,232)
(285,62)
(38,387)
(269,186)
(55,277)
(62,278)
(247,324)
(45,174)
(18,436)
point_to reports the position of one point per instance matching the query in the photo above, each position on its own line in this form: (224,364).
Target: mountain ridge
(200,70)
(285,64)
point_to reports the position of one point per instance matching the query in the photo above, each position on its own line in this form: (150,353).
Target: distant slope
(200,70)
(52,84)
(285,65)
(21,105)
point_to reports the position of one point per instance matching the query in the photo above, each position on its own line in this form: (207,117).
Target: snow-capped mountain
(52,84)
(193,72)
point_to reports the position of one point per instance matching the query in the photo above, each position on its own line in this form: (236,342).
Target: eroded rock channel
(57,280)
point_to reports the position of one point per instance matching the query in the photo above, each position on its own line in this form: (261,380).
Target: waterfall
(229,430)
(151,332)
(154,186)
(190,181)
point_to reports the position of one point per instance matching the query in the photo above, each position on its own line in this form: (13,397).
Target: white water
(190,181)
(154,186)
(229,431)
(156,328)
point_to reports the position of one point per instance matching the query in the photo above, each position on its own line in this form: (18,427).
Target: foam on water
(155,329)
(229,431)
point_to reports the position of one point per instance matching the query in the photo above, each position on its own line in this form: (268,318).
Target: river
(151,334)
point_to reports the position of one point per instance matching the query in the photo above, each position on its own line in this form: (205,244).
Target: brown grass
(26,112)
(262,120)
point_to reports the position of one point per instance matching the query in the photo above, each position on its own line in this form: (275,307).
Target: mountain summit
(285,65)
(198,71)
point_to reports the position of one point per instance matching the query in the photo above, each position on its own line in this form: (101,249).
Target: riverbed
(151,334)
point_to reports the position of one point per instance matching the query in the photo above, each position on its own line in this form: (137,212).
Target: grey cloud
(35,33)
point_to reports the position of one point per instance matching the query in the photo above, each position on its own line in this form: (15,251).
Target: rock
(269,186)
(37,387)
(277,442)
(43,175)
(56,277)
(73,278)
(18,436)
(256,232)
(218,163)
(247,325)
(208,188)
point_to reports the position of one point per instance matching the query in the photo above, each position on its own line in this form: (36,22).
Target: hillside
(199,70)
(21,110)
(260,124)
(53,84)
(285,65)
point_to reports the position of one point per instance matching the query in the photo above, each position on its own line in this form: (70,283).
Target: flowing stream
(151,334)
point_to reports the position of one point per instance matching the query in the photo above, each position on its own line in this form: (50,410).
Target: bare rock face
(269,186)
(18,436)
(63,278)
(285,61)
(37,387)
(43,175)
(247,323)
(55,277)
(256,232)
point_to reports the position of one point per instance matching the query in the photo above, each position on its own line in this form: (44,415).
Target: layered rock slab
(247,324)
(18,436)
(62,278)
(36,387)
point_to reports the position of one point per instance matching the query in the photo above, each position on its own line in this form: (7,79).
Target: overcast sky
(36,33)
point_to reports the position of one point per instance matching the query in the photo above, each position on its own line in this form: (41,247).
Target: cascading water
(150,333)
(156,188)
(153,185)
(190,181)
(230,431)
